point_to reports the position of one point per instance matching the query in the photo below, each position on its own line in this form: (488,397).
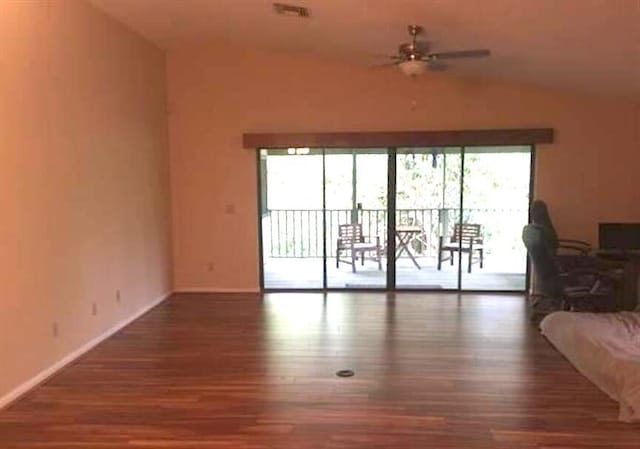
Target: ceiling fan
(415,57)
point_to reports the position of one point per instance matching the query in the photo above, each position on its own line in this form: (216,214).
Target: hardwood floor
(431,371)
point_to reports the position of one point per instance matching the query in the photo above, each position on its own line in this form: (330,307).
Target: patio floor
(503,273)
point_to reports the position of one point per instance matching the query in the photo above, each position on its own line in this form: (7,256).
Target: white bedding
(605,348)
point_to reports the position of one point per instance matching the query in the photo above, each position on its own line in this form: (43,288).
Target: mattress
(605,348)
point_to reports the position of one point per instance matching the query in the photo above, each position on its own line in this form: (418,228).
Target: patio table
(405,234)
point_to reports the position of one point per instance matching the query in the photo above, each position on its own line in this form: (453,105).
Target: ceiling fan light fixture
(413,67)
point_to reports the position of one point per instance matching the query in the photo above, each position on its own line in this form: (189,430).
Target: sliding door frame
(391,140)
(259,215)
(391,216)
(391,227)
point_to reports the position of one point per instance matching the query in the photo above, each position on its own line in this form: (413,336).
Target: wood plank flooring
(241,371)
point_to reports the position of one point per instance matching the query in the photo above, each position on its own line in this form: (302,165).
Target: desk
(404,235)
(629,263)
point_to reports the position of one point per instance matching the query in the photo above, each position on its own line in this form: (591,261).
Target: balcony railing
(298,233)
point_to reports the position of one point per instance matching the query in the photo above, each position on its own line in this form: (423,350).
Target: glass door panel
(356,204)
(292,218)
(495,209)
(427,207)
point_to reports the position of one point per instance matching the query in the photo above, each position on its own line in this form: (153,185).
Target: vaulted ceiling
(588,45)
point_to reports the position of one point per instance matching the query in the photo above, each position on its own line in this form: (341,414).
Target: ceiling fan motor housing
(415,49)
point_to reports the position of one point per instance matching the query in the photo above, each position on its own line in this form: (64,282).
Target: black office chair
(580,289)
(540,216)
(569,253)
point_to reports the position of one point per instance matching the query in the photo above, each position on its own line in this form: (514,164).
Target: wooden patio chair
(353,242)
(466,238)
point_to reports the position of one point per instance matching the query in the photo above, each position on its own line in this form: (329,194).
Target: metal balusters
(298,233)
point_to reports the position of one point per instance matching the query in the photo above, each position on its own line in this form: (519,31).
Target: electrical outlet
(118,299)
(210,266)
(94,309)
(54,329)
(230,209)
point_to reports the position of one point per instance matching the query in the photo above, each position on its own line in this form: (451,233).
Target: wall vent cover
(291,10)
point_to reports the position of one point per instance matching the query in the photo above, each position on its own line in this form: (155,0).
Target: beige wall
(84,187)
(218,93)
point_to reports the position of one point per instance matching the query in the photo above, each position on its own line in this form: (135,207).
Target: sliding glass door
(292,219)
(323,218)
(356,214)
(428,218)
(427,207)
(495,208)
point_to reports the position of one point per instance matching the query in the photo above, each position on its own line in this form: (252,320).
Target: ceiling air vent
(291,10)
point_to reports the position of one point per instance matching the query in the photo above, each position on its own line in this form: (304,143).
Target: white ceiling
(588,45)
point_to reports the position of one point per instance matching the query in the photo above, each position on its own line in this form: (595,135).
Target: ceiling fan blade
(436,65)
(386,64)
(480,53)
(381,55)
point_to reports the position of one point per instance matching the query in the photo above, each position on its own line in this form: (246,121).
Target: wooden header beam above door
(479,137)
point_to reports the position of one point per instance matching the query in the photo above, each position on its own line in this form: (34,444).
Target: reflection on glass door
(356,217)
(427,206)
(292,218)
(495,209)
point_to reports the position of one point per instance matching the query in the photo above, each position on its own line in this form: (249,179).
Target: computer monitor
(619,236)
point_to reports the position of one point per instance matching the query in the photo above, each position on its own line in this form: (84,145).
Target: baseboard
(48,372)
(217,290)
